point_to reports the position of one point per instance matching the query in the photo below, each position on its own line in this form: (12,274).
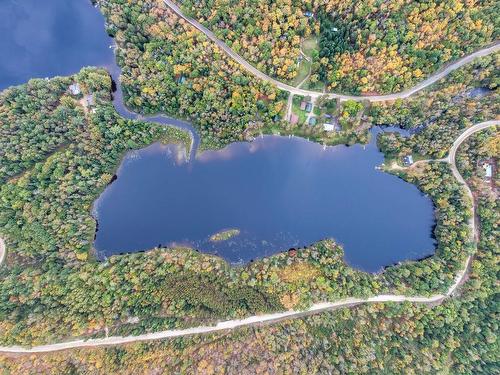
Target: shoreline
(274,317)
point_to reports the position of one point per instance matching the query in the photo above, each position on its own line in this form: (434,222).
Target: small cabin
(75,89)
(330,127)
(408,160)
(180,78)
(488,170)
(308,14)
(487,165)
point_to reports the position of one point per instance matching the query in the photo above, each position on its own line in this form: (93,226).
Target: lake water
(46,38)
(279,192)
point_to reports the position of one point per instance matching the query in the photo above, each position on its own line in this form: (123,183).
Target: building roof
(329,127)
(303,105)
(408,159)
(75,88)
(294,119)
(312,121)
(309,107)
(488,170)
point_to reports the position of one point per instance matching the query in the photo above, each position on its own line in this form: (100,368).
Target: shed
(408,160)
(488,170)
(75,89)
(330,127)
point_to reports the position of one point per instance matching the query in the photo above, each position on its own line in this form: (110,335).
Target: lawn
(309,45)
(304,68)
(296,108)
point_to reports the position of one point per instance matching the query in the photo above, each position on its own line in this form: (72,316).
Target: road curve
(298,91)
(2,250)
(258,319)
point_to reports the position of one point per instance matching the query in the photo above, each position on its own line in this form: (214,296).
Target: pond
(278,192)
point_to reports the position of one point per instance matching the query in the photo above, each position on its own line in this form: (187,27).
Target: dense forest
(266,33)
(364,47)
(459,336)
(170,67)
(35,120)
(386,46)
(54,288)
(60,149)
(439,114)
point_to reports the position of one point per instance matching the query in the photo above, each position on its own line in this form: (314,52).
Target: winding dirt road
(267,318)
(314,94)
(2,250)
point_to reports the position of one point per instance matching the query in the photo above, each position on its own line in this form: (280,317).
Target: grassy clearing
(304,68)
(309,45)
(296,108)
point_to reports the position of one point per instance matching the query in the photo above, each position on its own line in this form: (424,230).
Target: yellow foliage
(82,256)
(289,301)
(298,272)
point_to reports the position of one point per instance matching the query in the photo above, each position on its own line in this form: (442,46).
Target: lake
(279,192)
(50,38)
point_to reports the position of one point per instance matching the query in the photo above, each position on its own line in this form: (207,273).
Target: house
(303,105)
(488,170)
(308,14)
(75,89)
(309,107)
(312,121)
(327,116)
(181,80)
(294,119)
(408,160)
(89,100)
(331,127)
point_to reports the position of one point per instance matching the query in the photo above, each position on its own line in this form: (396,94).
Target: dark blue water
(280,192)
(46,38)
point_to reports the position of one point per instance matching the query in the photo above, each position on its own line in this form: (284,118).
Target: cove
(279,192)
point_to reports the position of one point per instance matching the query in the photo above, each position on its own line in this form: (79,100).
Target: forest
(363,47)
(58,153)
(458,336)
(170,67)
(53,286)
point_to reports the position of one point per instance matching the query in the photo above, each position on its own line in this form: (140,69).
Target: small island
(224,235)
